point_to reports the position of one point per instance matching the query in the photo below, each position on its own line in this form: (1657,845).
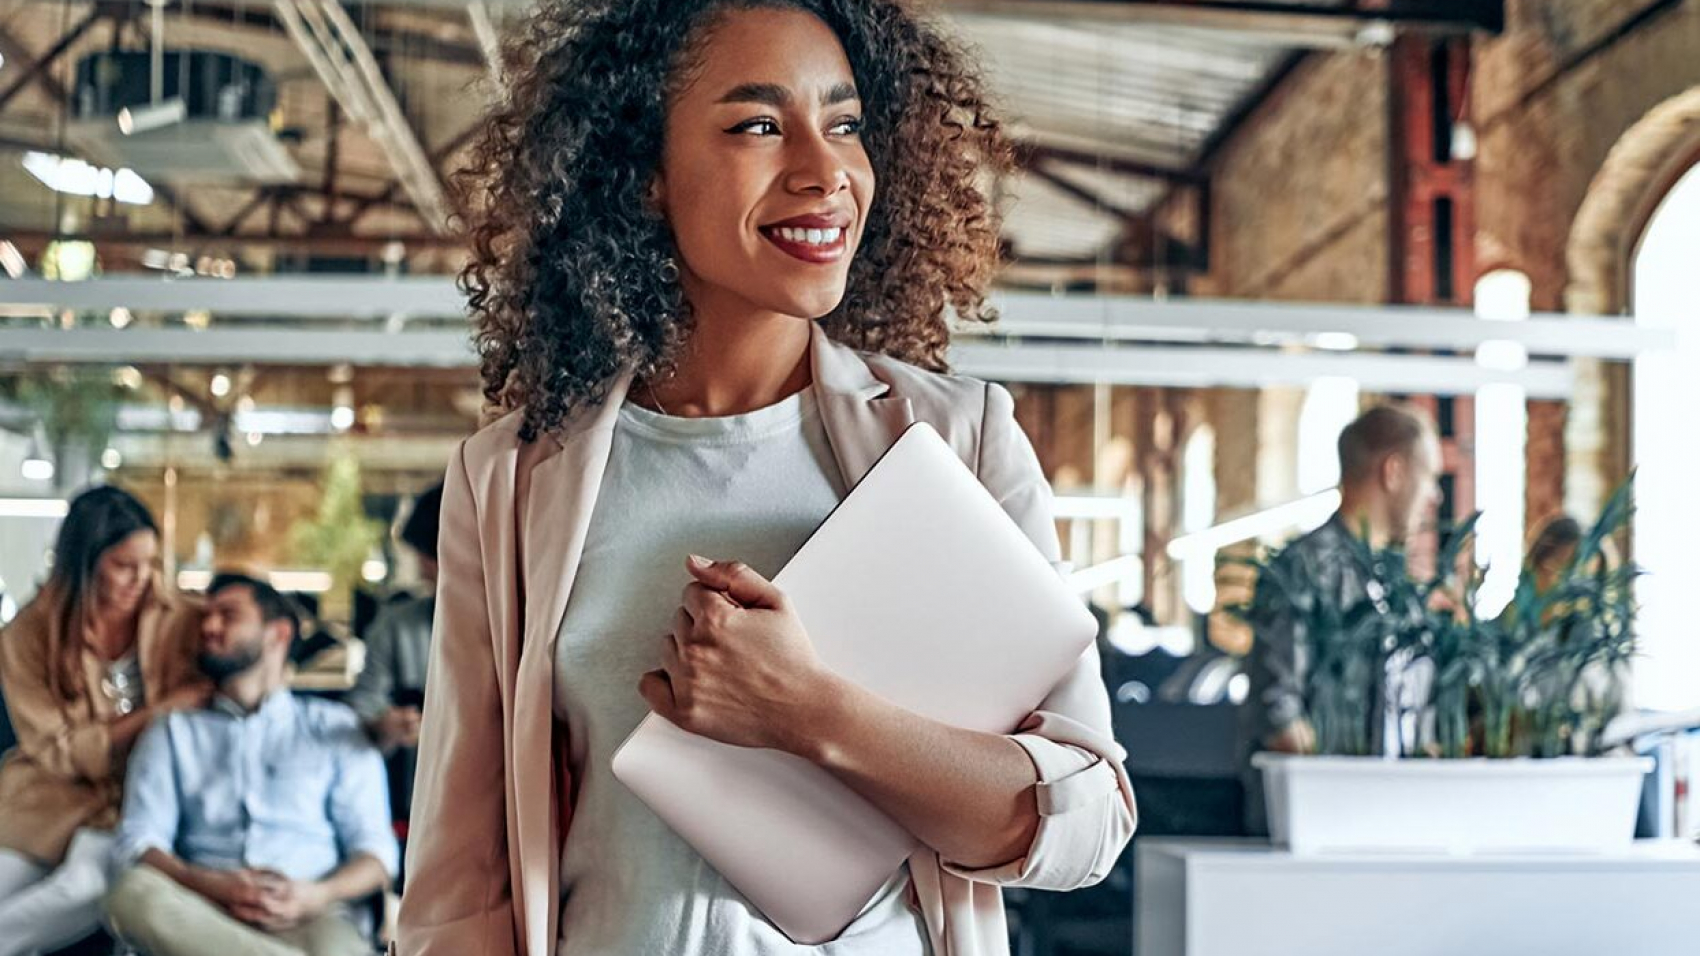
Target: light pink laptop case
(918,587)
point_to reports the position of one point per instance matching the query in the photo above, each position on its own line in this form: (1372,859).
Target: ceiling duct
(179,115)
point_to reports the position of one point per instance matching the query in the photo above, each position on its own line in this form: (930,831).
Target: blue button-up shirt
(293,787)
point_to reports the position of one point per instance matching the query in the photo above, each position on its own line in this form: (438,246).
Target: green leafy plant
(340,536)
(77,407)
(1523,683)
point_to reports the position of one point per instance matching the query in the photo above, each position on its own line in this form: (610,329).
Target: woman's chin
(125,603)
(809,304)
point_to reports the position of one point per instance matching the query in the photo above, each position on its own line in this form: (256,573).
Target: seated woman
(101,650)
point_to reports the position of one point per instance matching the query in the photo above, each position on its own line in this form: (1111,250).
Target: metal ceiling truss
(1327,24)
(35,68)
(339,54)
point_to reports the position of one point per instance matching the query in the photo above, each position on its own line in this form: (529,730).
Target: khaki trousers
(162,917)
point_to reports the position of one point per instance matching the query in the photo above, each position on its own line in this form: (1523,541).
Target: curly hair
(572,278)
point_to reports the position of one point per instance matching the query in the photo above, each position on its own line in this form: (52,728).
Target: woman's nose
(817,168)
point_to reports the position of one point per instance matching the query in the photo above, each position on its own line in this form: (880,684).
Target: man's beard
(222,667)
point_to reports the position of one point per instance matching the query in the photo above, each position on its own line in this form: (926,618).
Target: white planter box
(1566,804)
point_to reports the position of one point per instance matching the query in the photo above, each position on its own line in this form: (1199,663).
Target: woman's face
(122,573)
(764,179)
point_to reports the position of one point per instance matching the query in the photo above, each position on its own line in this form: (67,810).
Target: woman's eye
(849,126)
(761,127)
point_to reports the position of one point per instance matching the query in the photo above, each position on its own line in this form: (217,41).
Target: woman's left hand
(738,666)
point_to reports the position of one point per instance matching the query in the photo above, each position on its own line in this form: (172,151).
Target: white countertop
(1228,897)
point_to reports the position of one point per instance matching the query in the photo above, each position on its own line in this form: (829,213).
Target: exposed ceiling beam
(389,40)
(1327,23)
(230,226)
(1131,219)
(489,40)
(1095,318)
(438,157)
(341,297)
(339,53)
(31,241)
(1213,367)
(233,346)
(35,68)
(1029,152)
(1152,365)
(1242,112)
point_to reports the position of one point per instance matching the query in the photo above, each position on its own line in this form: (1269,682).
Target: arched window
(1665,446)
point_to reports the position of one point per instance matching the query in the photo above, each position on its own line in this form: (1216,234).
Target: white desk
(1222,897)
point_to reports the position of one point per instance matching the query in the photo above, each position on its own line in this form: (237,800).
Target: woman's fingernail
(699,562)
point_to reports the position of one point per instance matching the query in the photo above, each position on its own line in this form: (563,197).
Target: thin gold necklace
(654,397)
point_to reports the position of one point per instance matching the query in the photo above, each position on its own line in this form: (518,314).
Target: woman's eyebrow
(776,96)
(767,94)
(840,93)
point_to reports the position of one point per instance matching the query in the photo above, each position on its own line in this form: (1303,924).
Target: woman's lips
(817,246)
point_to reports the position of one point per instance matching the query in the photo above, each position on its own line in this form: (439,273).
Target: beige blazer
(493,795)
(65,772)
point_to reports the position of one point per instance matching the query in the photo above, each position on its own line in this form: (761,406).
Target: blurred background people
(1389,465)
(102,650)
(390,690)
(249,826)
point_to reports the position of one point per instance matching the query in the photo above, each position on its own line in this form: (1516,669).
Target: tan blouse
(65,773)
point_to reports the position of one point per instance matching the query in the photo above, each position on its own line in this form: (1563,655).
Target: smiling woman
(715,244)
(627,182)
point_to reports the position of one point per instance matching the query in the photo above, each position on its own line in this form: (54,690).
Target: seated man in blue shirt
(249,825)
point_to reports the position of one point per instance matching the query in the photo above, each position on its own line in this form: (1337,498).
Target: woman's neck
(112,634)
(735,362)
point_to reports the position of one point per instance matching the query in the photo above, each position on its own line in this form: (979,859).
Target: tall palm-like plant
(1541,679)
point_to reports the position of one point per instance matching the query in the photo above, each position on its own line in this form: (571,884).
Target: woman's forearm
(967,795)
(124,730)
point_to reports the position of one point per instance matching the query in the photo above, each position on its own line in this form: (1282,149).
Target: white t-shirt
(748,487)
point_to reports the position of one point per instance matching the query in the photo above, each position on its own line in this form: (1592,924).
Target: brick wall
(1299,194)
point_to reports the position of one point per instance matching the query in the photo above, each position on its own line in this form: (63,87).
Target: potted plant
(1496,742)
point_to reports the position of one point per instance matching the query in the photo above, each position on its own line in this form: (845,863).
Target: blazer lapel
(556,494)
(861,418)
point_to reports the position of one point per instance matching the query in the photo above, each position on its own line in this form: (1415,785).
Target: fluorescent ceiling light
(193,580)
(1093,506)
(36,468)
(77,178)
(1335,341)
(1309,511)
(1087,580)
(310,582)
(33,507)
